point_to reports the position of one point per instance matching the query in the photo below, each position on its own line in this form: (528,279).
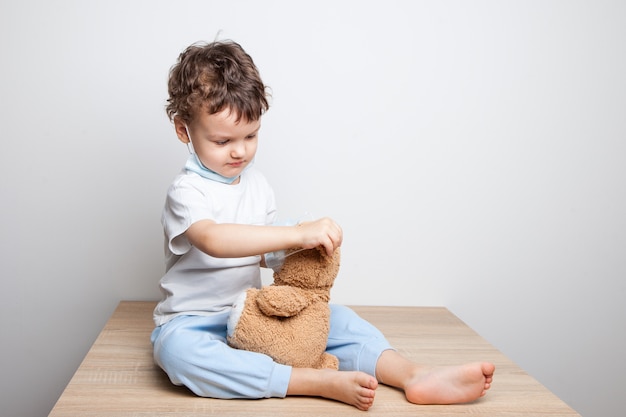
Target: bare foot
(450,384)
(353,388)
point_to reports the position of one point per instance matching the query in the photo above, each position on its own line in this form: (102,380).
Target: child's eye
(221,142)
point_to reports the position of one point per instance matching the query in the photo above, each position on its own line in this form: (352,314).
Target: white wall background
(473,151)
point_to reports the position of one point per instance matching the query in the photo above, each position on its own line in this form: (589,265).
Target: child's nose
(239,149)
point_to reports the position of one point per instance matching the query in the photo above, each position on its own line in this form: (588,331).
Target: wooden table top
(118,376)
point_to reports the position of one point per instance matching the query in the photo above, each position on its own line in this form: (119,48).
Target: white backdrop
(473,152)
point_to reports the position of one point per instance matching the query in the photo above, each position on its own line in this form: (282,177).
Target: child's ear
(181,129)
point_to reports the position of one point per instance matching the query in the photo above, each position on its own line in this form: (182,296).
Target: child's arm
(239,240)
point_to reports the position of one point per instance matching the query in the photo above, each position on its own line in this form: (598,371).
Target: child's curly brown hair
(213,77)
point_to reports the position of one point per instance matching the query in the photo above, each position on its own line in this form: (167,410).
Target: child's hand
(323,232)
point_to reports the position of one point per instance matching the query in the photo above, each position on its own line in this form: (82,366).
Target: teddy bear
(289,320)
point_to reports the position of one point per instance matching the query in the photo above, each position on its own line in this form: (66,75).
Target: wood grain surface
(118,376)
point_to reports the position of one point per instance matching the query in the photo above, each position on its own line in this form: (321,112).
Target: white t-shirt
(196,283)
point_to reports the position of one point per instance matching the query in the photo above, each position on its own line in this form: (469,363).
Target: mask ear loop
(189,144)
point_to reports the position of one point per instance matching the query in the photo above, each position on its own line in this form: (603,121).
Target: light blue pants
(192,350)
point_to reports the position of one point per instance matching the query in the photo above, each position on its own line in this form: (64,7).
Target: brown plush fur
(290,319)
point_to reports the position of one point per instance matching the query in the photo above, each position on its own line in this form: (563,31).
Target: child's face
(222,144)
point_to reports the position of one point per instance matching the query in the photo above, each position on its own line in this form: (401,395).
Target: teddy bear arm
(281,301)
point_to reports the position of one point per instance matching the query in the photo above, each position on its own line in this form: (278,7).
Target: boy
(216,221)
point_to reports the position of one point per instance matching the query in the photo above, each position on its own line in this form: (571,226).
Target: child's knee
(341,314)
